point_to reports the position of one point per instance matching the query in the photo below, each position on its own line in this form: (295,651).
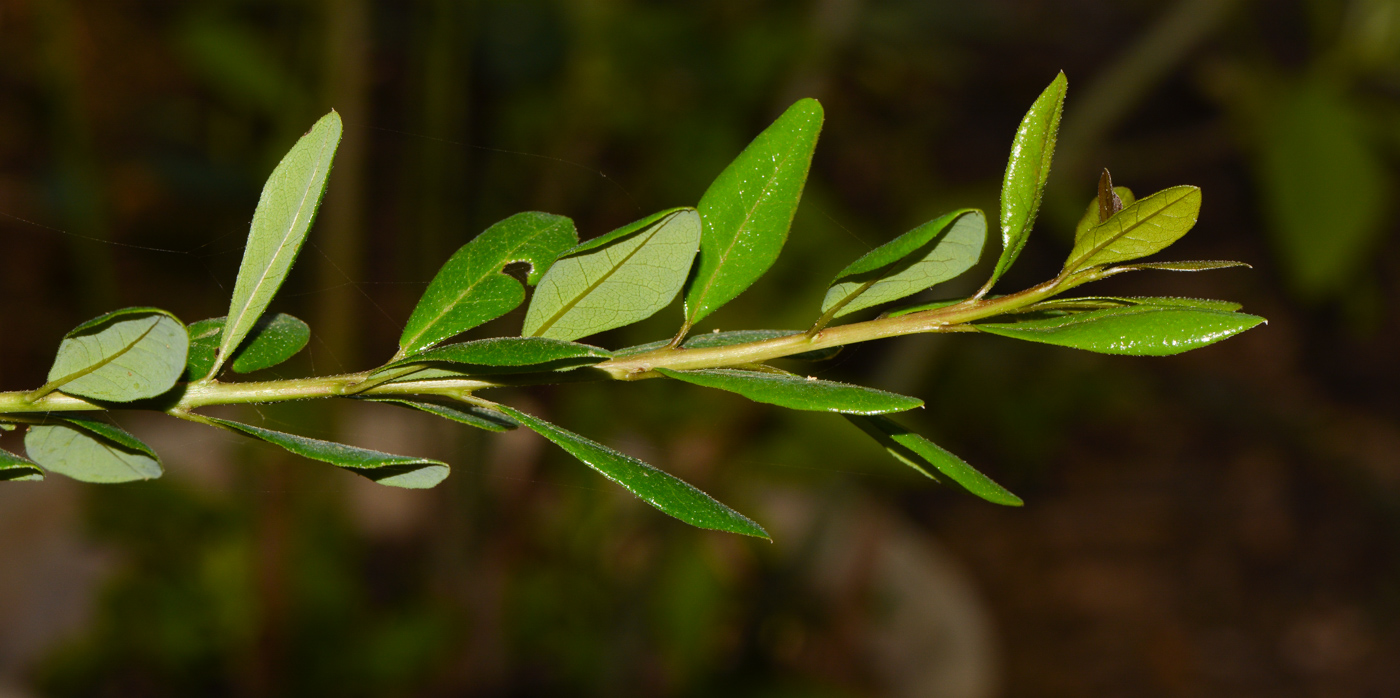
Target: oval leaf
(1026,172)
(472,287)
(471,415)
(124,355)
(284,214)
(509,351)
(383,468)
(1134,330)
(274,339)
(91,451)
(916,451)
(625,276)
(656,487)
(749,207)
(1148,226)
(15,468)
(927,255)
(796,392)
(1090,219)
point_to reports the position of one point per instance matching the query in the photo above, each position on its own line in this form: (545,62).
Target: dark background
(1222,523)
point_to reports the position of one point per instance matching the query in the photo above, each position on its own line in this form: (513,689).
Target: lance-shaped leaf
(749,207)
(1191,265)
(929,254)
(383,468)
(1026,172)
(510,351)
(618,279)
(472,288)
(15,468)
(710,340)
(284,215)
(1102,302)
(917,452)
(796,392)
(656,487)
(471,415)
(1141,330)
(124,355)
(1149,225)
(1091,217)
(91,451)
(274,339)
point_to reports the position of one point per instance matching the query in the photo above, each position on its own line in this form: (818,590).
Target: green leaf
(1193,265)
(1150,225)
(15,468)
(749,207)
(124,355)
(472,288)
(796,392)
(383,468)
(709,340)
(916,451)
(471,415)
(204,348)
(1091,215)
(280,223)
(1101,302)
(1141,330)
(274,339)
(91,451)
(625,276)
(934,305)
(509,351)
(927,255)
(656,487)
(1026,172)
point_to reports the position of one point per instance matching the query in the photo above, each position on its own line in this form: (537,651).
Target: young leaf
(472,287)
(929,254)
(1092,214)
(274,339)
(284,215)
(471,415)
(383,468)
(1101,302)
(124,355)
(15,468)
(91,451)
(1141,330)
(1150,225)
(797,393)
(934,305)
(916,451)
(1026,172)
(656,487)
(508,351)
(624,277)
(1194,265)
(749,207)
(723,339)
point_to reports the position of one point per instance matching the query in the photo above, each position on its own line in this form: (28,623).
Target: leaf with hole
(91,451)
(274,339)
(621,278)
(1140,330)
(917,452)
(472,288)
(471,415)
(796,392)
(656,487)
(748,209)
(927,255)
(1148,226)
(125,355)
(15,468)
(383,468)
(280,224)
(1026,171)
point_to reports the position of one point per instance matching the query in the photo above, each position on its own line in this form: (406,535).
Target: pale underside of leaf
(80,450)
(928,255)
(131,356)
(15,468)
(383,468)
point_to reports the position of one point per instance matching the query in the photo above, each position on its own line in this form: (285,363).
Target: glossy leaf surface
(274,339)
(15,468)
(91,451)
(1148,226)
(383,468)
(917,452)
(471,415)
(1090,219)
(280,224)
(656,487)
(748,209)
(927,255)
(627,277)
(796,392)
(1101,302)
(124,355)
(472,287)
(509,351)
(1141,330)
(1026,171)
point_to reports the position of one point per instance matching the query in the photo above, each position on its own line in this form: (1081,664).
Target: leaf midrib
(1137,224)
(61,381)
